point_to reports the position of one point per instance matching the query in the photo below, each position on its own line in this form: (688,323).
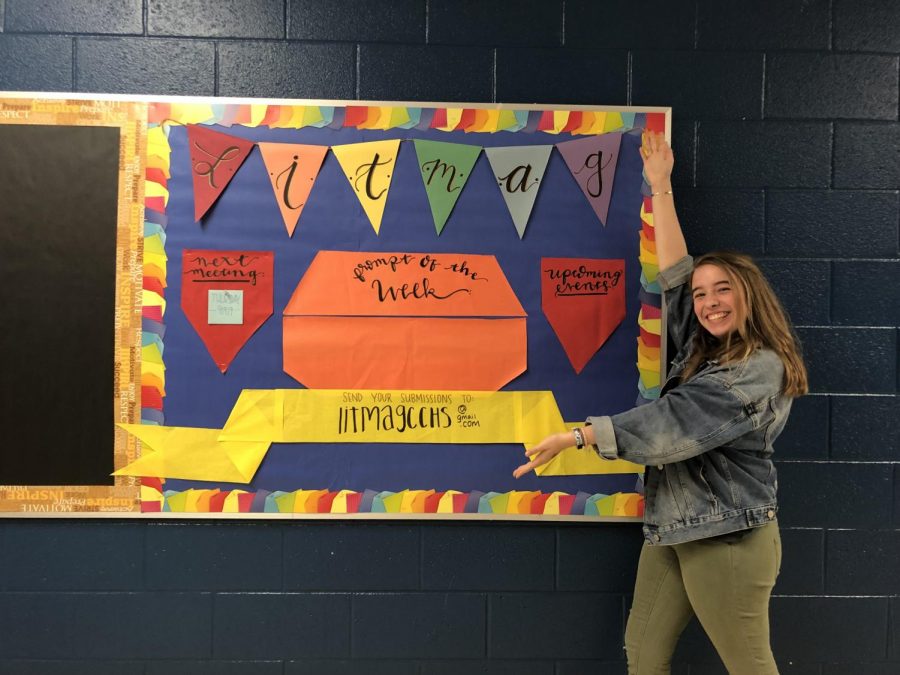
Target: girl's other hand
(544,451)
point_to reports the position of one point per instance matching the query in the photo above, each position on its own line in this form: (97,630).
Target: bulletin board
(322,309)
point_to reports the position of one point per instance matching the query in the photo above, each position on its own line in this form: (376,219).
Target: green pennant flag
(445,168)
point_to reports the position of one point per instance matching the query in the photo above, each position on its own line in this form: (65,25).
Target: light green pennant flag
(445,168)
(519,171)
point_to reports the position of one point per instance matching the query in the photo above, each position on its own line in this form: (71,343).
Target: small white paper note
(225,307)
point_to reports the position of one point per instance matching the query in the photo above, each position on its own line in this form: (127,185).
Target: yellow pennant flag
(369,168)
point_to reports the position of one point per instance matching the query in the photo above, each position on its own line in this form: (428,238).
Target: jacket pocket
(704,480)
(726,475)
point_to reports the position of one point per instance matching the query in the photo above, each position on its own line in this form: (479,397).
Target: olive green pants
(725,584)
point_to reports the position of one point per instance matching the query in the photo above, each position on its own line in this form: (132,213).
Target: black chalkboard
(58,212)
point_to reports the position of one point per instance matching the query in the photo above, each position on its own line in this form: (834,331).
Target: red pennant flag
(584,301)
(227,296)
(215,159)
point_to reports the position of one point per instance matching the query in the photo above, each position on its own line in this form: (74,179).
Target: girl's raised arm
(658,163)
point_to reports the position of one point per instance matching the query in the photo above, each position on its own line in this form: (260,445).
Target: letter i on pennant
(369,168)
(292,170)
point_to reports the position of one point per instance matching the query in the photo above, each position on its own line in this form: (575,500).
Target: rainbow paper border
(343,502)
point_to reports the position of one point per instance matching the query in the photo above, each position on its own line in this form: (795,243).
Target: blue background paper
(562,224)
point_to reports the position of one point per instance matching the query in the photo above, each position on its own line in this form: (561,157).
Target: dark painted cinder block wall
(788,144)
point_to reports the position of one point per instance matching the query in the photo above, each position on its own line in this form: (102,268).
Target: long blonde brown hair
(761,322)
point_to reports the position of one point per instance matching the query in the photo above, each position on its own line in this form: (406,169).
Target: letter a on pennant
(584,301)
(592,162)
(293,170)
(215,159)
(369,168)
(519,172)
(445,168)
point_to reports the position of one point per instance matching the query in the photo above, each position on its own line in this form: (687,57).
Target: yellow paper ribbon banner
(261,417)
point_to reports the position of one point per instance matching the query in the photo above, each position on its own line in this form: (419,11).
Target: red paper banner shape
(592,162)
(293,170)
(584,301)
(215,159)
(225,321)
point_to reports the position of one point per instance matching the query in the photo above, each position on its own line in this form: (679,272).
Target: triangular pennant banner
(215,159)
(519,172)
(227,296)
(369,167)
(584,301)
(293,170)
(592,162)
(445,168)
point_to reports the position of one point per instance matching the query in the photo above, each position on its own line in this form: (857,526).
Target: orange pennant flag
(293,170)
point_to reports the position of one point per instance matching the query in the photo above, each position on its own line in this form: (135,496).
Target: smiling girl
(712,547)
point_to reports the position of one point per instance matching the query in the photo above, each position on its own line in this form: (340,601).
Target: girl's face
(716,301)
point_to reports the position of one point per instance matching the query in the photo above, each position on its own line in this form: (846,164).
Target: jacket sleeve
(699,415)
(675,281)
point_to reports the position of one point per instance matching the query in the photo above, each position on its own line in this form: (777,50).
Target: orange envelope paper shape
(372,320)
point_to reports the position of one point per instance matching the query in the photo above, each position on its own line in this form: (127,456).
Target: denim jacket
(706,442)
